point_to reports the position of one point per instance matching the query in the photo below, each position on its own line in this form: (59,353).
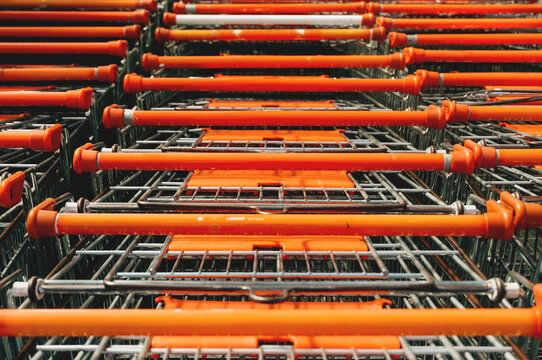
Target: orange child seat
(298,341)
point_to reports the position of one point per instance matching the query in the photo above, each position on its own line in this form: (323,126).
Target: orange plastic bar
(500,222)
(11,189)
(328,319)
(163,34)
(134,83)
(127,32)
(100,73)
(453,9)
(401,39)
(394,61)
(419,56)
(114,48)
(464,159)
(137,16)
(270,8)
(80,4)
(489,78)
(113,116)
(47,140)
(432,79)
(455,112)
(458,23)
(78,99)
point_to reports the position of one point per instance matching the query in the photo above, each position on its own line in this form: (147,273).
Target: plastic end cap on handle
(11,189)
(454,112)
(149,61)
(434,117)
(149,5)
(161,34)
(179,8)
(117,48)
(41,220)
(414,55)
(373,7)
(412,85)
(49,140)
(368,20)
(132,31)
(141,16)
(378,33)
(398,61)
(85,159)
(169,19)
(108,73)
(79,99)
(133,83)
(397,39)
(113,117)
(385,22)
(429,79)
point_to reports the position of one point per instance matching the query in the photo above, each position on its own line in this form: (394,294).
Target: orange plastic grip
(113,116)
(269,8)
(498,222)
(128,32)
(455,112)
(146,322)
(88,160)
(11,189)
(483,79)
(114,48)
(401,39)
(100,73)
(453,9)
(47,140)
(80,4)
(151,61)
(163,34)
(134,83)
(79,99)
(137,16)
(419,56)
(459,23)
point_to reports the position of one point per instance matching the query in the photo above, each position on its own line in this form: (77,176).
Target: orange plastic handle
(163,34)
(453,9)
(419,56)
(134,83)
(47,140)
(401,39)
(394,61)
(88,160)
(113,116)
(100,73)
(128,32)
(78,99)
(499,222)
(11,189)
(455,112)
(432,79)
(114,48)
(464,159)
(80,4)
(483,79)
(275,321)
(269,8)
(459,23)
(137,16)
